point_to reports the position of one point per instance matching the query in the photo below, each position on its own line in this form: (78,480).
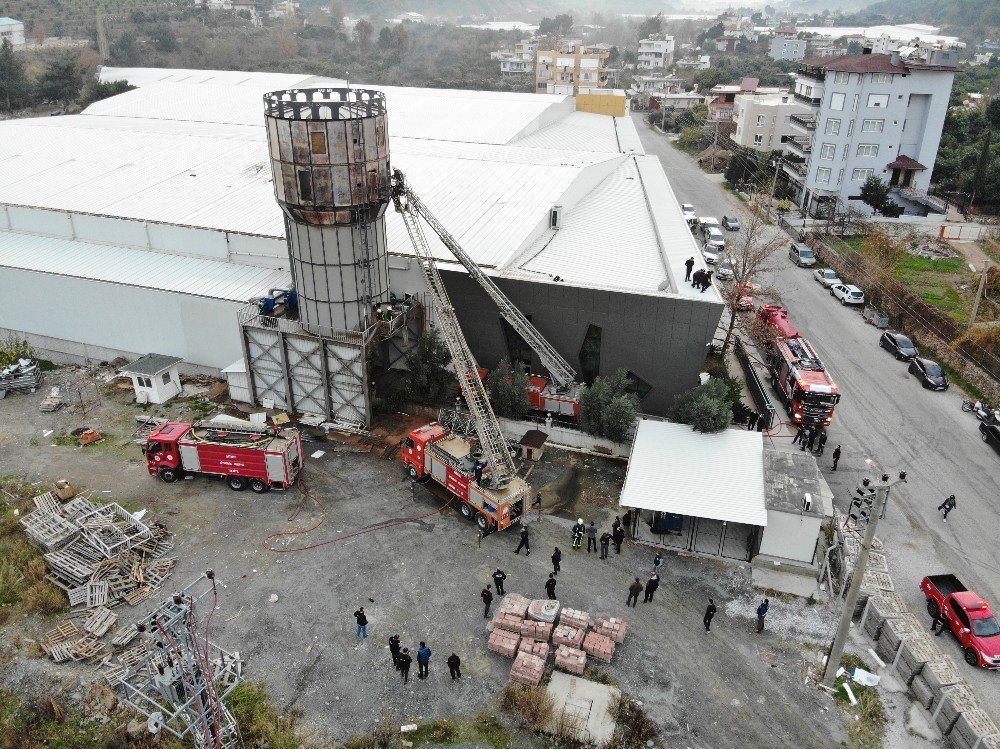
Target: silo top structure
(329,153)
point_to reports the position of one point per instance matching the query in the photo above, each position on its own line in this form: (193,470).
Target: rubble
(23,377)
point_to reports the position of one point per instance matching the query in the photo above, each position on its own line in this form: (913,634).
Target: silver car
(724,270)
(826,277)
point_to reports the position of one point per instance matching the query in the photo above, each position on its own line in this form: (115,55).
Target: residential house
(783,48)
(519,62)
(720,108)
(869,114)
(763,123)
(570,65)
(12,31)
(656,52)
(666,84)
(703,62)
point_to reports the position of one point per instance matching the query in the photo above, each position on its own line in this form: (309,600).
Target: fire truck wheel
(466,511)
(932,608)
(482,522)
(169,475)
(972,657)
(412,471)
(237,483)
(259,486)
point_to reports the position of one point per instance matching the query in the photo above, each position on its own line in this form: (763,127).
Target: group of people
(811,438)
(402,660)
(700,278)
(755,422)
(579,530)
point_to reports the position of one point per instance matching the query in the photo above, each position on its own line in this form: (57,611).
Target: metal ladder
(362,216)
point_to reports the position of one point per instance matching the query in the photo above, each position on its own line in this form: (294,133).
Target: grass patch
(867,719)
(532,706)
(260,722)
(485,728)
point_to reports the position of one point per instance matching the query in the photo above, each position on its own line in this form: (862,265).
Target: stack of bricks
(572,660)
(535,647)
(567,635)
(503,642)
(528,669)
(508,621)
(536,630)
(515,604)
(575,618)
(613,628)
(599,646)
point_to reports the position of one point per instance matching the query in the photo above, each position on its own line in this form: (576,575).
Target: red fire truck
(433,451)
(262,459)
(797,374)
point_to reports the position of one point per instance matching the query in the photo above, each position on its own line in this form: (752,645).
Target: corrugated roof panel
(587,132)
(667,473)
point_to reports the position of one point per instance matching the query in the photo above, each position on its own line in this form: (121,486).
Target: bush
(635,729)
(508,389)
(260,722)
(12,348)
(708,407)
(609,407)
(531,705)
(428,381)
(43,598)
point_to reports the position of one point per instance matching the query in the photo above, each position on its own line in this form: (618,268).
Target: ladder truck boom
(491,439)
(559,369)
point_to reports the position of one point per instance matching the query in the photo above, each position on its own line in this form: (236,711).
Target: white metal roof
(719,476)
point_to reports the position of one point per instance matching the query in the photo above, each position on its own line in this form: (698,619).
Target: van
(802,255)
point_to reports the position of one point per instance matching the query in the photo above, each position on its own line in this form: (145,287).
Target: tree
(384,42)
(363,32)
(650,26)
(883,252)
(561,25)
(164,38)
(96,90)
(399,40)
(337,13)
(708,407)
(429,382)
(14,88)
(125,50)
(979,176)
(508,389)
(854,48)
(608,408)
(875,192)
(61,81)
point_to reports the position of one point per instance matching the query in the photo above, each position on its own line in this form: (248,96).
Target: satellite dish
(154,723)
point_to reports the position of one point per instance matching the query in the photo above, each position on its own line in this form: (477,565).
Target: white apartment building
(764,122)
(656,52)
(12,31)
(783,48)
(869,114)
(519,62)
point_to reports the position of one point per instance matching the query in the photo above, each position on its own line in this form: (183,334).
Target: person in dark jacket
(762,613)
(821,443)
(556,559)
(709,615)
(948,505)
(836,457)
(688,265)
(423,660)
(394,648)
(455,666)
(651,585)
(618,536)
(405,659)
(550,586)
(524,542)
(706,281)
(591,536)
(800,434)
(807,437)
(811,442)
(627,524)
(498,577)
(362,620)
(657,562)
(633,593)
(487,597)
(605,544)
(697,277)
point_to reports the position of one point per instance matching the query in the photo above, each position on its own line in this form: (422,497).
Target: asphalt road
(886,416)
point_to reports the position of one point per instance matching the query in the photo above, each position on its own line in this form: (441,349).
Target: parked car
(802,255)
(712,253)
(715,245)
(708,222)
(847,294)
(687,210)
(898,345)
(731,223)
(929,373)
(990,432)
(826,277)
(967,616)
(746,300)
(724,270)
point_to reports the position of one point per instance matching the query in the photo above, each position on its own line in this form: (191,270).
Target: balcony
(813,101)
(816,72)
(799,145)
(795,169)
(805,122)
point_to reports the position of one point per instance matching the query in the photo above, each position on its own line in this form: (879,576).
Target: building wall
(790,536)
(13,32)
(787,49)
(602,103)
(775,125)
(656,53)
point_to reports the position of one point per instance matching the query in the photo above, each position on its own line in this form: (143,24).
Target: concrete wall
(790,535)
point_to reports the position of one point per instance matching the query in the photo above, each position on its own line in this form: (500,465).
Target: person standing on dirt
(657,563)
(591,536)
(524,542)
(617,536)
(651,585)
(550,586)
(423,660)
(556,559)
(362,620)
(405,659)
(836,457)
(948,505)
(487,598)
(627,524)
(605,544)
(633,593)
(455,666)
(762,613)
(709,615)
(394,649)
(821,444)
(578,530)
(498,577)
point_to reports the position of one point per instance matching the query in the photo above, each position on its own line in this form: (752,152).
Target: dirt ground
(420,577)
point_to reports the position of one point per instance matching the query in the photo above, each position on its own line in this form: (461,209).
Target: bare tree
(750,255)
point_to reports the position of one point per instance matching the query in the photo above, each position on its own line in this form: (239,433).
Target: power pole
(840,639)
(102,39)
(774,185)
(979,293)
(715,143)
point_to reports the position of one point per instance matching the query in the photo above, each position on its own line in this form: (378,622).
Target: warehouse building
(149,221)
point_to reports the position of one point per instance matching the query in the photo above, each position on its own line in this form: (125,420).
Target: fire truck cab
(433,452)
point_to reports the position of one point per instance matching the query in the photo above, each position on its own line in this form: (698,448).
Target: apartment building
(783,48)
(569,66)
(656,52)
(720,108)
(12,31)
(520,61)
(868,114)
(763,123)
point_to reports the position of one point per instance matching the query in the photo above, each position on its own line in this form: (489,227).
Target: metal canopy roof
(719,476)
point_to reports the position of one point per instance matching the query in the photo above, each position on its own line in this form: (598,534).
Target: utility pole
(102,38)
(840,639)
(979,293)
(715,143)
(774,185)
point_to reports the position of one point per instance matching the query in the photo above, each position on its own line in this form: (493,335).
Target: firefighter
(524,542)
(578,530)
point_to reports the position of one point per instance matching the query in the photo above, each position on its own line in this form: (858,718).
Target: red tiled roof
(857,64)
(905,162)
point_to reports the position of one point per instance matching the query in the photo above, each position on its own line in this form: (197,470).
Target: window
(875,126)
(305,185)
(860,175)
(837,102)
(850,128)
(832,126)
(638,385)
(881,77)
(827,151)
(878,100)
(143,382)
(842,78)
(758,139)
(823,176)
(867,149)
(590,354)
(166,378)
(317,142)
(761,120)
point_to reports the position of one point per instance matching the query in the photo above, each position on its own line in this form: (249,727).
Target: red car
(969,618)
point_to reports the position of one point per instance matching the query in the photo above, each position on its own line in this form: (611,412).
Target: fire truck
(480,473)
(797,373)
(259,458)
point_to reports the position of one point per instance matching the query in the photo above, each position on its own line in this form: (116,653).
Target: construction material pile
(24,376)
(101,555)
(527,631)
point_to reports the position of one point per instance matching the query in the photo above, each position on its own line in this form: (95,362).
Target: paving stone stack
(528,669)
(881,607)
(535,647)
(570,659)
(564,634)
(508,621)
(514,604)
(914,653)
(969,727)
(575,618)
(893,634)
(613,628)
(543,610)
(599,646)
(536,630)
(939,672)
(504,642)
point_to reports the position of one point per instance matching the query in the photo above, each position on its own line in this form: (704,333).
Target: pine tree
(14,86)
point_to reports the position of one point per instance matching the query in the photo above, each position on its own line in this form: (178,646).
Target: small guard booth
(696,492)
(154,377)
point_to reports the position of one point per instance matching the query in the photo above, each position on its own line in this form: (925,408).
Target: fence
(754,385)
(966,231)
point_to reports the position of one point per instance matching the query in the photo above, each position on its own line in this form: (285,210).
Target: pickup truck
(969,619)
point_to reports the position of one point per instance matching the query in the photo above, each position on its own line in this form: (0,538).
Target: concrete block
(614,628)
(527,669)
(566,635)
(503,642)
(543,610)
(536,630)
(882,607)
(894,632)
(575,618)
(571,660)
(969,727)
(599,646)
(535,647)
(510,622)
(514,603)
(954,701)
(917,650)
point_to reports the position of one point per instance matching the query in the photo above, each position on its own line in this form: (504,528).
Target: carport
(696,492)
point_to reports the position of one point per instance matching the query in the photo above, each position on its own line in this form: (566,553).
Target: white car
(708,222)
(826,277)
(712,253)
(847,294)
(724,270)
(687,210)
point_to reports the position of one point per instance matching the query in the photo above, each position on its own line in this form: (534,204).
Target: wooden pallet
(62,652)
(124,636)
(137,596)
(65,631)
(88,648)
(100,621)
(48,529)
(97,594)
(48,502)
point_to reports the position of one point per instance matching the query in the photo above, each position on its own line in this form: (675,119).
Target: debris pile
(24,376)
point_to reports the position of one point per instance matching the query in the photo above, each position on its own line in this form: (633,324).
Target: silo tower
(330,160)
